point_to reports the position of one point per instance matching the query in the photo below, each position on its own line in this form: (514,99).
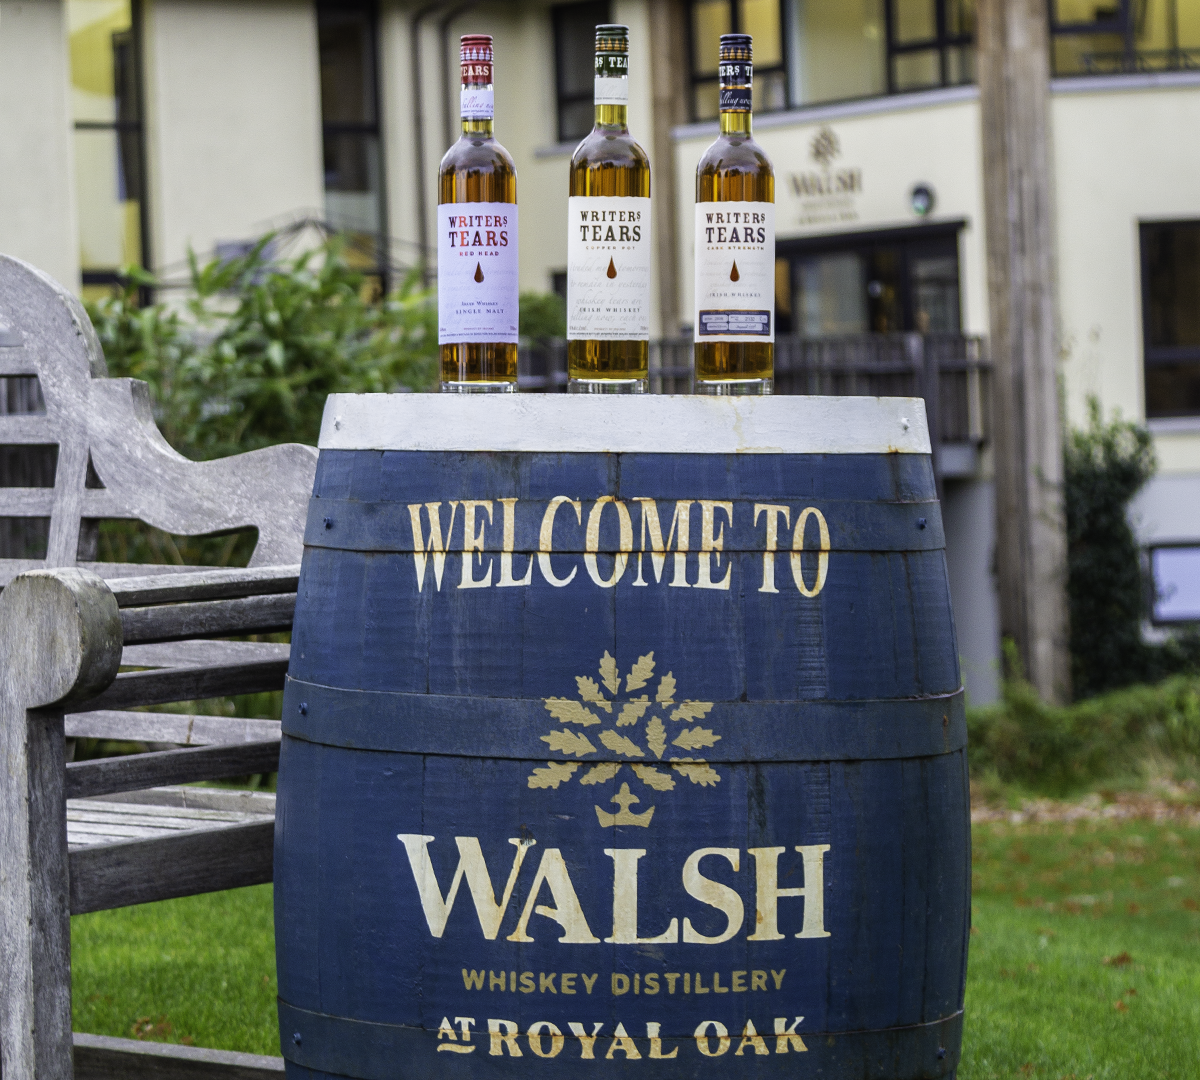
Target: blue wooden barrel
(624,732)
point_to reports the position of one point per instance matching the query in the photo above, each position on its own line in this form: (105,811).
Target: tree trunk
(1013,41)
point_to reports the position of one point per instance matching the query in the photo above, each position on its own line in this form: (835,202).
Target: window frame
(1132,61)
(373,128)
(137,128)
(783,67)
(561,97)
(1160,355)
(943,41)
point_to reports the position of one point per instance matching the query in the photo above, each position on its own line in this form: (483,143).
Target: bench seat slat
(135,688)
(102,1057)
(184,585)
(186,864)
(177,622)
(183,729)
(201,653)
(104,776)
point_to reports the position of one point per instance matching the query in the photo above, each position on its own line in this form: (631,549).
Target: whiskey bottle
(608,239)
(477,242)
(735,243)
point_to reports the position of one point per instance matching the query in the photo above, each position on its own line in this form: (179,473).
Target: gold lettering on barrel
(592,542)
(552,872)
(438,544)
(798,551)
(473,543)
(471,866)
(546,540)
(714,894)
(652,531)
(625,901)
(766,861)
(509,517)
(712,541)
(774,512)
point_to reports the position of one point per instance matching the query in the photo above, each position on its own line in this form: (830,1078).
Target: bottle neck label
(608,268)
(611,91)
(612,78)
(477,273)
(476,103)
(736,79)
(735,271)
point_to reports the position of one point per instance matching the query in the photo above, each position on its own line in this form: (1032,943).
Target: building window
(809,51)
(110,167)
(902,280)
(1117,36)
(762,19)
(352,147)
(1171,317)
(1175,573)
(574,50)
(930,44)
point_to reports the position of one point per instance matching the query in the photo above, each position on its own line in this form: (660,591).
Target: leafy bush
(1106,466)
(543,316)
(249,357)
(1056,749)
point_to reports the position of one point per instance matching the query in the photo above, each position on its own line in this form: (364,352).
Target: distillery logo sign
(828,192)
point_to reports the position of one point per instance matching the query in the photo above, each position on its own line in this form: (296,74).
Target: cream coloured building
(135,130)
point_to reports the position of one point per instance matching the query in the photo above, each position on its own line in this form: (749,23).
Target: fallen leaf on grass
(1120,1006)
(1131,992)
(1133,909)
(1190,905)
(145,1027)
(1027,1069)
(187,1040)
(1122,959)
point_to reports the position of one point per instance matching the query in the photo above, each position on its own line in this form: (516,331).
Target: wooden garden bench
(86,646)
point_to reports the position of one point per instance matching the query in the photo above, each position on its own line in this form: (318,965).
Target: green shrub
(249,357)
(543,316)
(1052,749)
(1105,467)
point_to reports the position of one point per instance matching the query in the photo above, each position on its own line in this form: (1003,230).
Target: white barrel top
(647,424)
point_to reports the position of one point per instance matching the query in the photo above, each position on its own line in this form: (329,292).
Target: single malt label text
(477,273)
(608,268)
(735,271)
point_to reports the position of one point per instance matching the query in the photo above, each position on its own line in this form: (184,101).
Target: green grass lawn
(1085,958)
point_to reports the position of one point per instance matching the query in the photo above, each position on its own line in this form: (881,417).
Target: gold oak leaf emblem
(639,745)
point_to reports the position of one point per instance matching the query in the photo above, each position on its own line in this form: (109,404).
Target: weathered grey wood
(183,729)
(115,818)
(208,618)
(60,640)
(202,653)
(139,871)
(111,421)
(219,584)
(1031,547)
(246,802)
(100,1057)
(106,775)
(133,688)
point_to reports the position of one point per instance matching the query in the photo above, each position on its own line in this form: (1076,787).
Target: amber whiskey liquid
(608,242)
(734,313)
(477,242)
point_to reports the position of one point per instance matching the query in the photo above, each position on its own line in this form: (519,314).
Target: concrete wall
(38,220)
(233,114)
(1120,158)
